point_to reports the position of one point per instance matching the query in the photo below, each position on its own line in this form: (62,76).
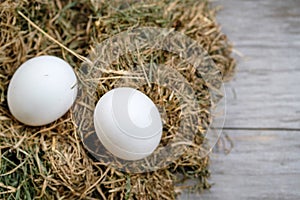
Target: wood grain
(266,89)
(263,104)
(262,165)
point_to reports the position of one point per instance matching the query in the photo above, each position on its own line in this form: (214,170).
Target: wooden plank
(265,91)
(264,23)
(264,94)
(263,165)
(264,100)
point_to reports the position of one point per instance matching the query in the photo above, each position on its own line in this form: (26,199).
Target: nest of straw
(51,162)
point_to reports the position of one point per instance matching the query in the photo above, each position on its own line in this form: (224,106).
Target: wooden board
(266,89)
(262,165)
(263,104)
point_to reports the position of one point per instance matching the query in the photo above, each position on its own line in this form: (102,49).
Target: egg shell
(120,130)
(134,113)
(42,90)
(116,150)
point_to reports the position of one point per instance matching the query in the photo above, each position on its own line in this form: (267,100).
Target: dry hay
(50,162)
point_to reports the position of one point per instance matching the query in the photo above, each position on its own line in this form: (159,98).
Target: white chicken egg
(42,90)
(128,123)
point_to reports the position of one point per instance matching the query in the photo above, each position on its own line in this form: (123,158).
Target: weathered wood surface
(263,165)
(267,86)
(263,104)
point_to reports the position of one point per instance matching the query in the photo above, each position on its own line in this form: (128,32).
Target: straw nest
(51,162)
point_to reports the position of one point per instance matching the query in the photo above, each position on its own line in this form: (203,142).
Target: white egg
(42,90)
(128,123)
